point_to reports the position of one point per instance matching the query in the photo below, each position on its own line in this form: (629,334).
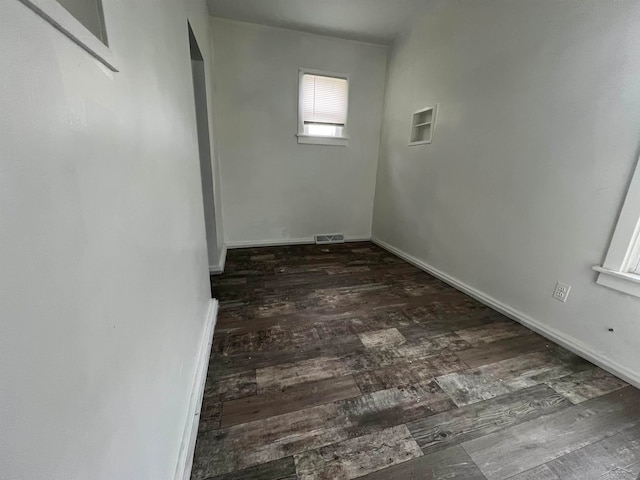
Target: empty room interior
(319,239)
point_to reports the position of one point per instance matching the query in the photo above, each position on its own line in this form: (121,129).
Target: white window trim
(342,141)
(60,18)
(617,270)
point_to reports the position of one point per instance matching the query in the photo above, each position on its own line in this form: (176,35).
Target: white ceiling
(375,21)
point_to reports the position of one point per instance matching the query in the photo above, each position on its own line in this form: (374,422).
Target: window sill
(60,18)
(625,282)
(313,140)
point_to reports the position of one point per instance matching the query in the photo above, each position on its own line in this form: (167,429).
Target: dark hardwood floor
(343,361)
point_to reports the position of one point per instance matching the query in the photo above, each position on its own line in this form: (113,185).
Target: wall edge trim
(188,443)
(556,336)
(219,269)
(286,241)
(56,15)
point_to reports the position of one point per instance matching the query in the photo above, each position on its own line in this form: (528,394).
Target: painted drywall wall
(104,284)
(537,134)
(274,189)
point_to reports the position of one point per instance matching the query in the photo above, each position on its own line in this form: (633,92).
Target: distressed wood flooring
(343,361)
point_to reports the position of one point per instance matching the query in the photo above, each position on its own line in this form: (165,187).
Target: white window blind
(324,101)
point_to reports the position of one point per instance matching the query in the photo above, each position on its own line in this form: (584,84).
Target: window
(323,105)
(80,20)
(422,123)
(621,268)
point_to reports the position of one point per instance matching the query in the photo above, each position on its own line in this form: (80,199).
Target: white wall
(538,132)
(104,284)
(270,183)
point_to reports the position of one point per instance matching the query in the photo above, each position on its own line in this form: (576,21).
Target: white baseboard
(269,243)
(357,239)
(286,241)
(570,343)
(188,445)
(219,269)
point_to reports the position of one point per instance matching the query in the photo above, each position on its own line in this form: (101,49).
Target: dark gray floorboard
(283,469)
(522,447)
(480,419)
(597,459)
(298,397)
(451,463)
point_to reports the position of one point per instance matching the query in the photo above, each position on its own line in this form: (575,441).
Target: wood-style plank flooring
(343,361)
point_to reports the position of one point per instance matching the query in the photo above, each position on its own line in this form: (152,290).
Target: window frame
(304,138)
(62,20)
(619,269)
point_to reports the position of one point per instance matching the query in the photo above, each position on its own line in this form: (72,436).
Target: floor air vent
(329,238)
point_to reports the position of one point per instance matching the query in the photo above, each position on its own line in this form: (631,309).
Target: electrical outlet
(561,293)
(285,233)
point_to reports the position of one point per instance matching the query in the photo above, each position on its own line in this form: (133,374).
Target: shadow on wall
(204,146)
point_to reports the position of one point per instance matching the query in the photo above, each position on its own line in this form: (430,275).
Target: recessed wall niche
(422,124)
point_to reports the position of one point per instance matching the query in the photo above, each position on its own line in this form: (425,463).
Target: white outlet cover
(561,293)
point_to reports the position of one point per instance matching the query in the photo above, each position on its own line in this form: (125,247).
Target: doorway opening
(204,146)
